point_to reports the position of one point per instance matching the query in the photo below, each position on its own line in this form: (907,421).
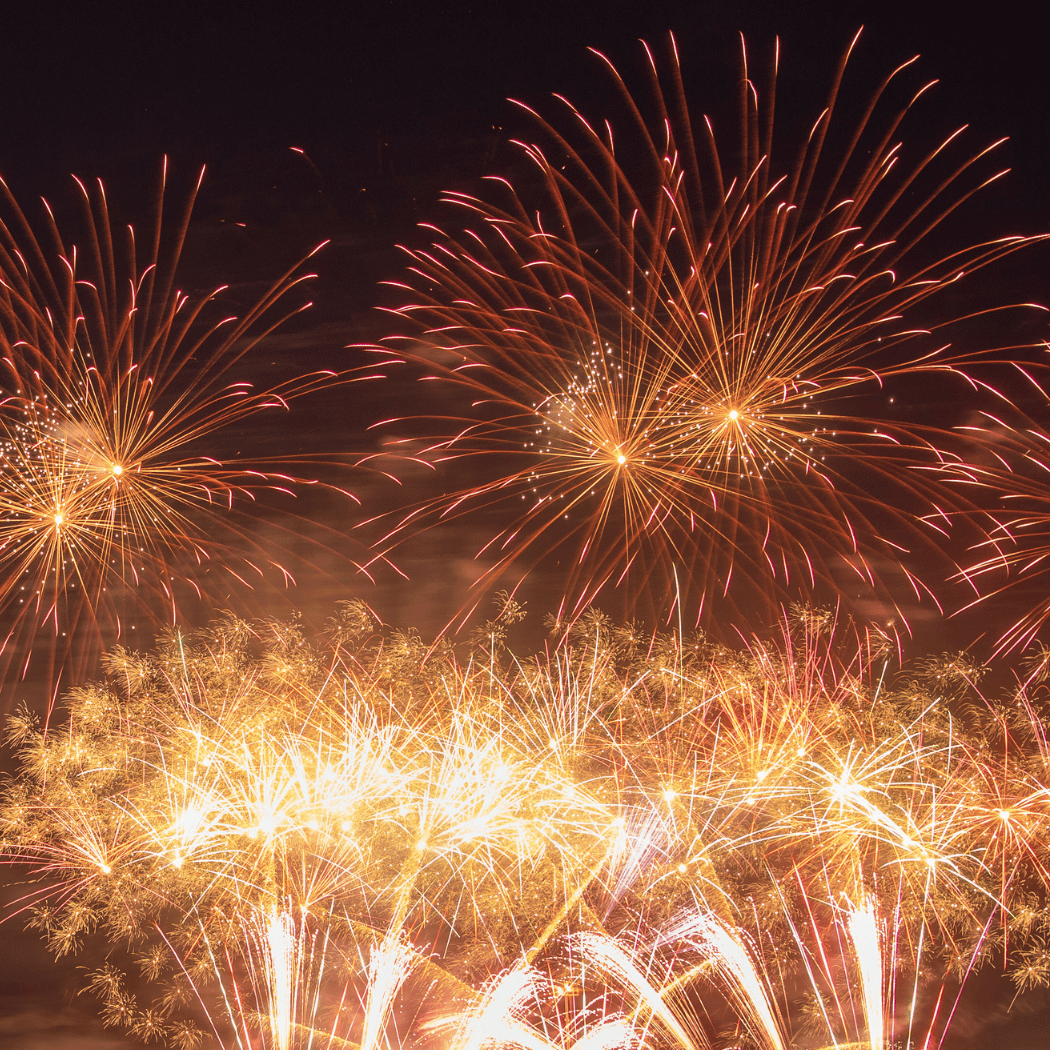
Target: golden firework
(374,820)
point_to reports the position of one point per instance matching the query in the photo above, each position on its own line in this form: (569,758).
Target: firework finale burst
(672,373)
(629,838)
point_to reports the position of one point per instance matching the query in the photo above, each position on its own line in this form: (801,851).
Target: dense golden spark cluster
(360,832)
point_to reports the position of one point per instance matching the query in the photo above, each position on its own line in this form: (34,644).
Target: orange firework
(681,376)
(1013,558)
(113,488)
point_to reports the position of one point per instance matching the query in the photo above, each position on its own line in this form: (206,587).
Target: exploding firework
(689,378)
(277,828)
(115,487)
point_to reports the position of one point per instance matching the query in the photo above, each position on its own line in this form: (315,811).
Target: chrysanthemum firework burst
(115,488)
(681,369)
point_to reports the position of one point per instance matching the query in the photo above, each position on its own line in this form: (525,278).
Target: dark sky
(106,88)
(96,85)
(393,101)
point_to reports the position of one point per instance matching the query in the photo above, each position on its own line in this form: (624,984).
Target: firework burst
(115,489)
(685,375)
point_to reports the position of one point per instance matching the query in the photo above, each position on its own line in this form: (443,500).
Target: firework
(1011,475)
(691,379)
(290,826)
(115,487)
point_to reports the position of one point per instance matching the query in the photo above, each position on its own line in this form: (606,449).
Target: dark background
(393,102)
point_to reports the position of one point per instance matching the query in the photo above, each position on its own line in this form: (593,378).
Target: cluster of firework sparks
(686,387)
(363,840)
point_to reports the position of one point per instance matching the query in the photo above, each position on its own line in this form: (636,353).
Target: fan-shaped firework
(271,818)
(682,370)
(113,488)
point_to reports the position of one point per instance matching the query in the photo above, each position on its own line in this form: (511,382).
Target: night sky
(391,103)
